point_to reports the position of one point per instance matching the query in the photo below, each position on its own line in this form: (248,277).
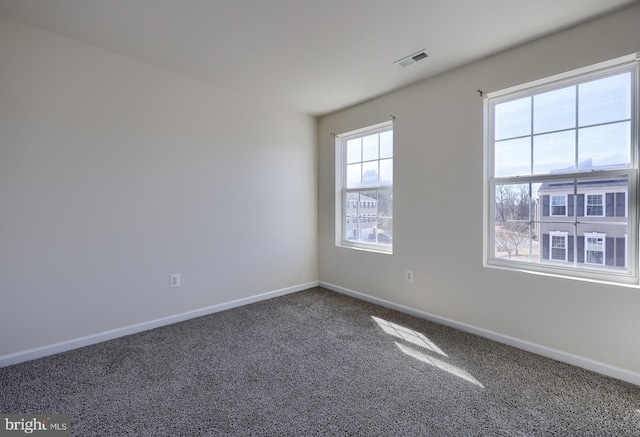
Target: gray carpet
(317,363)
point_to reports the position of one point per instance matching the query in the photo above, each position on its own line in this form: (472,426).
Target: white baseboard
(575,360)
(63,346)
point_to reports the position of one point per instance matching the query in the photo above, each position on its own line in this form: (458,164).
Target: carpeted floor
(317,363)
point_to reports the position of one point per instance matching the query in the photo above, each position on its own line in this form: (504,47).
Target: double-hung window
(594,248)
(561,166)
(559,205)
(558,246)
(594,205)
(364,188)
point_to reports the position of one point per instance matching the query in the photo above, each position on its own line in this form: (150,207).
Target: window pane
(386,172)
(513,119)
(382,216)
(350,207)
(513,202)
(512,240)
(513,157)
(605,100)
(555,206)
(513,236)
(594,256)
(368,217)
(370,147)
(607,146)
(602,246)
(386,144)
(554,110)
(554,152)
(354,174)
(369,173)
(602,200)
(354,150)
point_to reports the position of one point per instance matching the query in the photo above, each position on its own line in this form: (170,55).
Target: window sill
(558,272)
(385,250)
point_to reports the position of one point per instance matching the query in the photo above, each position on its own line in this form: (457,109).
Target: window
(364,188)
(559,205)
(594,205)
(558,247)
(561,166)
(594,248)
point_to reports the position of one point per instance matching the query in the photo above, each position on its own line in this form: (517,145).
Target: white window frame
(603,198)
(570,270)
(564,236)
(626,251)
(598,235)
(565,205)
(342,239)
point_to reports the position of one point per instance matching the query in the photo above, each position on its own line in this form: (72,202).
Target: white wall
(438,210)
(114,174)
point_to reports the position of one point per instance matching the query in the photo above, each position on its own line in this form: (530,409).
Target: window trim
(570,271)
(341,190)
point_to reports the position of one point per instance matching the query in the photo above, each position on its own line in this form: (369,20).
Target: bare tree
(510,236)
(512,207)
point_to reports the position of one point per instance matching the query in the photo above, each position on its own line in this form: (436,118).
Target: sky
(589,123)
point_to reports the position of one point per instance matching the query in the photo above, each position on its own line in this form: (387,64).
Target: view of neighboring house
(361,217)
(596,215)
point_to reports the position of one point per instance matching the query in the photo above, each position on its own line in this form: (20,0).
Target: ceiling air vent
(412,59)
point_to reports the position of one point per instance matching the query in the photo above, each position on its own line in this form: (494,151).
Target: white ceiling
(313,55)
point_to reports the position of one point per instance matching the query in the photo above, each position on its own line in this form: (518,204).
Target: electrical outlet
(408,276)
(174,280)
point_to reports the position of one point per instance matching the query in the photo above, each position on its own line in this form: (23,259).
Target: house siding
(613,222)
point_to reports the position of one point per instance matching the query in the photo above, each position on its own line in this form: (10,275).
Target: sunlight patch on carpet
(408,335)
(456,371)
